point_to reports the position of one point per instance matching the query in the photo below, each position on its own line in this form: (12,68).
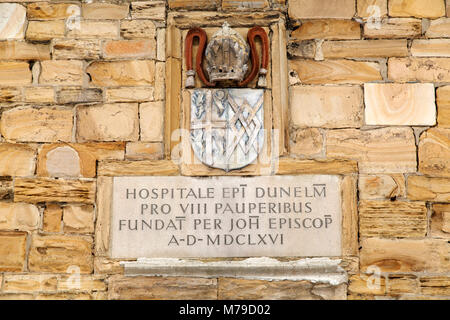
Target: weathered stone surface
(19,216)
(144,151)
(419,69)
(10,94)
(86,283)
(193,4)
(129,49)
(327,29)
(326,106)
(435,285)
(402,283)
(335,71)
(129,94)
(431,48)
(105,10)
(295,166)
(151,121)
(372,187)
(365,49)
(108,122)
(62,72)
(394,28)
(65,296)
(78,219)
(6,188)
(103,219)
(307,9)
(58,253)
(137,168)
(53,190)
(17,160)
(169,288)
(45,30)
(392,219)
(391,150)
(52,218)
(15,50)
(39,94)
(91,29)
(76,49)
(122,73)
(155,10)
(49,10)
(417,8)
(302,49)
(428,189)
(362,284)
(79,160)
(372,8)
(439,28)
(440,221)
(14,73)
(405,255)
(238,289)
(307,142)
(400,104)
(16,296)
(12,251)
(107,266)
(131,29)
(38,125)
(245,5)
(30,283)
(443,102)
(79,95)
(12,21)
(434,152)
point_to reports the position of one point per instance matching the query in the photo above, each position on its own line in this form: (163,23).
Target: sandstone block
(129,94)
(19,216)
(87,283)
(394,28)
(154,10)
(59,253)
(431,48)
(193,4)
(49,124)
(131,29)
(439,28)
(132,288)
(405,255)
(302,49)
(317,9)
(245,5)
(10,95)
(45,30)
(30,283)
(144,151)
(392,219)
(51,10)
(307,143)
(372,8)
(14,73)
(53,190)
(443,102)
(91,29)
(381,187)
(108,122)
(130,49)
(335,71)
(386,150)
(76,49)
(435,285)
(295,166)
(78,219)
(402,283)
(152,121)
(327,29)
(17,160)
(6,188)
(12,251)
(362,284)
(326,106)
(13,18)
(122,73)
(440,221)
(428,189)
(61,72)
(76,160)
(15,50)
(107,266)
(365,49)
(400,104)
(434,152)
(417,8)
(52,218)
(419,69)
(79,95)
(105,10)
(138,168)
(39,94)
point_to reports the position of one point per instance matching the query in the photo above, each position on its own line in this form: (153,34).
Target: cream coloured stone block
(152,121)
(12,21)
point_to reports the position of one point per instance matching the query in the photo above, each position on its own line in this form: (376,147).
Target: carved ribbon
(252,34)
(201,35)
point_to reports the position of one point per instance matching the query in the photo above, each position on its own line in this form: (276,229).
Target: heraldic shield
(227,126)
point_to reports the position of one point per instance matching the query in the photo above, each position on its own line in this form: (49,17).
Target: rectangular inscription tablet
(182,217)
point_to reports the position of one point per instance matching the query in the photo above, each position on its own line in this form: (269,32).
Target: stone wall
(93,90)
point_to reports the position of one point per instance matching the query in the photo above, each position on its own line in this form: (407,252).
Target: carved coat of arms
(227,124)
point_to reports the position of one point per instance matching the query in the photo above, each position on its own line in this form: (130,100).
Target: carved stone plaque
(182,217)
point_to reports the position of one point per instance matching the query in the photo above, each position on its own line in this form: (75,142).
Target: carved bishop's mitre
(227,56)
